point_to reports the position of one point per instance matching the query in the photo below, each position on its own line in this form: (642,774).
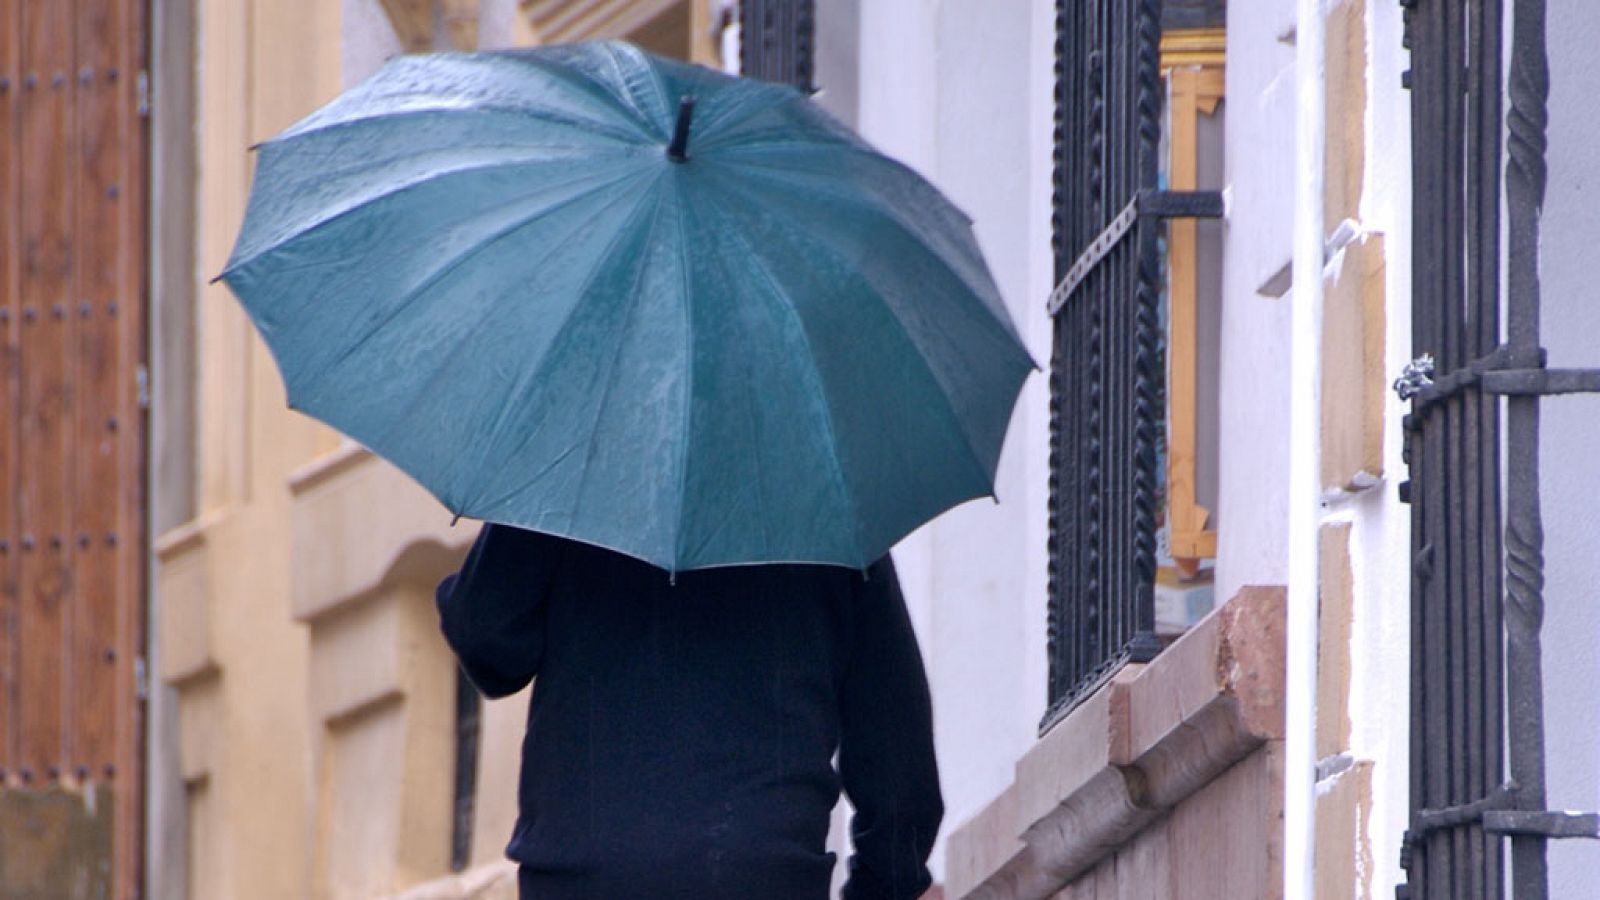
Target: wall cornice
(1134,750)
(354,519)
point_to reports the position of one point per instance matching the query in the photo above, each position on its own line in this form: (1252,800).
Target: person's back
(681,735)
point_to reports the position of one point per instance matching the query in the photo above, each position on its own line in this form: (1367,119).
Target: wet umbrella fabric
(488,269)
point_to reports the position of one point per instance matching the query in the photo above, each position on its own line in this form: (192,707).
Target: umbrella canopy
(762,343)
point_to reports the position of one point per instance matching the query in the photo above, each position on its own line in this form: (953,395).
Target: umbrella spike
(678,150)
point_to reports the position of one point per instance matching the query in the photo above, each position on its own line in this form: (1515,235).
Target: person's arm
(886,756)
(492,611)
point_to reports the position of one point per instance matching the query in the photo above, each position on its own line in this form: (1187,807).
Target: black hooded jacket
(681,737)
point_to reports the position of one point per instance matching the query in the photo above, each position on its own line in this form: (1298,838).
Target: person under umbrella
(681,737)
(698,357)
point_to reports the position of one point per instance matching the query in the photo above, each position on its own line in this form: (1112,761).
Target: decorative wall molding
(342,548)
(417,23)
(1130,753)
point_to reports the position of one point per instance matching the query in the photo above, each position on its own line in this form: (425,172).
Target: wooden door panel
(10,410)
(91,673)
(42,487)
(72,439)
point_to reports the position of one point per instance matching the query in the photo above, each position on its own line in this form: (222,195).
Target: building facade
(1210,643)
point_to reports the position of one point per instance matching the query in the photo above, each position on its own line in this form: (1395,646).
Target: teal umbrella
(630,301)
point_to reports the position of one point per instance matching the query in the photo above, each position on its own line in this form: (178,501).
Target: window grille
(776,40)
(469,716)
(1106,404)
(1477,729)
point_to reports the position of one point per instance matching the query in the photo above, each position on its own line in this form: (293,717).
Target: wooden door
(72,445)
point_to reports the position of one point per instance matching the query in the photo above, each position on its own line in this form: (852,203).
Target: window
(1477,703)
(1108,373)
(469,711)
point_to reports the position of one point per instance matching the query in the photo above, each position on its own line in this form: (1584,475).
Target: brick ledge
(1146,740)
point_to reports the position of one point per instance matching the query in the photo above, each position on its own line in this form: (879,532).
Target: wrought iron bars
(1462,804)
(776,41)
(1106,406)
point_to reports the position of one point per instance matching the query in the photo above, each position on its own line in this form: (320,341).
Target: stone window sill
(1130,753)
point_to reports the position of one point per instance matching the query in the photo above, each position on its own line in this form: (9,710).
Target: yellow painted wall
(315,696)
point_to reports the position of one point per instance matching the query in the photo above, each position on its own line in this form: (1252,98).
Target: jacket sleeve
(492,612)
(886,758)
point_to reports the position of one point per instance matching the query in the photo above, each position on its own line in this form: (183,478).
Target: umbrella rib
(688,386)
(823,185)
(537,371)
(440,273)
(585,127)
(422,181)
(487,317)
(807,238)
(944,394)
(816,379)
(611,375)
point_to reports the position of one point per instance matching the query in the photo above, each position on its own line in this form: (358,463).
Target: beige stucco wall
(315,742)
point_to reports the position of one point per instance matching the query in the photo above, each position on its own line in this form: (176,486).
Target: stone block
(1344,862)
(184,588)
(1087,794)
(1345,112)
(1334,616)
(1227,839)
(340,550)
(1353,382)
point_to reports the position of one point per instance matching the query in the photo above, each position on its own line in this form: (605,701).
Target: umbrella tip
(455,520)
(678,150)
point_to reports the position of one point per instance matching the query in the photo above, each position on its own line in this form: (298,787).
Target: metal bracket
(1146,204)
(1546,824)
(1538,382)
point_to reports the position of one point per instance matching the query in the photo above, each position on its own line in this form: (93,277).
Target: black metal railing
(1477,708)
(1106,404)
(775,41)
(469,725)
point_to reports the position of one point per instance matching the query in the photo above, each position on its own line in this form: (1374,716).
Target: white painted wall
(1571,479)
(1253,449)
(961,91)
(369,39)
(1380,533)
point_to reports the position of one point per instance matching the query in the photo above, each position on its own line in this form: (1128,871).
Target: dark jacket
(681,737)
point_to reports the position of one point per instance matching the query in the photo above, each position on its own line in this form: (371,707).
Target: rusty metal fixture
(776,42)
(1477,738)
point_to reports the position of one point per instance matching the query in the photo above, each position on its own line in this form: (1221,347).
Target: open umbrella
(630,301)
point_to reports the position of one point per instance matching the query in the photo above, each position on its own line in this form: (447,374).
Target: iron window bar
(1477,747)
(1107,375)
(775,41)
(1152,204)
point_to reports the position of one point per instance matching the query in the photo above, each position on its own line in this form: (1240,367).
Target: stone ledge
(184,584)
(1134,750)
(353,519)
(494,881)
